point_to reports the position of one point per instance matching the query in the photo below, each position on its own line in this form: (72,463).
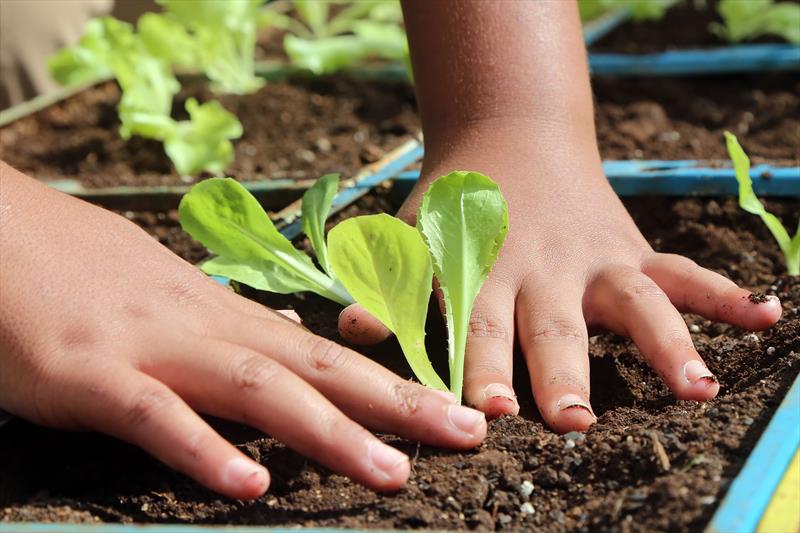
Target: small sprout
(790,246)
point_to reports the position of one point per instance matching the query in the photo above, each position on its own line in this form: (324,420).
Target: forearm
(502,77)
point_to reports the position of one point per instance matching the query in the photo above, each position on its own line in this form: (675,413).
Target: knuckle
(569,376)
(671,343)
(405,399)
(486,326)
(146,405)
(556,329)
(253,373)
(640,289)
(321,354)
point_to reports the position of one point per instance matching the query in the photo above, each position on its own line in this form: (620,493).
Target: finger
(489,352)
(139,409)
(239,384)
(555,342)
(698,290)
(631,304)
(363,389)
(357,326)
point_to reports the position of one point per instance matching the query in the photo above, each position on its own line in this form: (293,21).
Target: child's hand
(503,89)
(102,328)
(574,259)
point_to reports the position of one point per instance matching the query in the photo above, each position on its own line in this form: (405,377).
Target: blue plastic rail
(752,490)
(723,60)
(686,178)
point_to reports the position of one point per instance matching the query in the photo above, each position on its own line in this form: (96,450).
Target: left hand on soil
(574,262)
(103,328)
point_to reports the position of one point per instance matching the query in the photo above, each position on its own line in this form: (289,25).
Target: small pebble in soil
(752,340)
(707,500)
(569,444)
(694,328)
(504,518)
(527,508)
(576,436)
(770,350)
(526,489)
(747,421)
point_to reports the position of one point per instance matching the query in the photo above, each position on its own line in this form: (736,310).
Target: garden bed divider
(766,477)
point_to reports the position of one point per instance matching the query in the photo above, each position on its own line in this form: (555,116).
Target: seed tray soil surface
(649,464)
(683,26)
(301,129)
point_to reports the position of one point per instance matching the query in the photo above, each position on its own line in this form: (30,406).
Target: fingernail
(385,459)
(447,395)
(774,299)
(498,390)
(694,371)
(465,419)
(570,401)
(291,314)
(240,472)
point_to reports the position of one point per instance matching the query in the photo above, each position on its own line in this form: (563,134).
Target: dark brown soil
(304,128)
(649,464)
(291,130)
(684,118)
(683,26)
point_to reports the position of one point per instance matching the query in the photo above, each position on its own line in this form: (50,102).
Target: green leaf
(382,40)
(168,39)
(316,207)
(753,18)
(87,61)
(464,220)
(203,142)
(229,221)
(266,276)
(324,56)
(750,203)
(225,35)
(315,14)
(383,263)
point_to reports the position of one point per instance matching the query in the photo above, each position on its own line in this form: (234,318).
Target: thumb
(357,326)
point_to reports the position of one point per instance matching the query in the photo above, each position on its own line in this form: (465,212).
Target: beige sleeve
(30,32)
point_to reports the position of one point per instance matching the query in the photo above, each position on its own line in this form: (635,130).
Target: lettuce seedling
(217,37)
(384,264)
(750,203)
(464,220)
(112,47)
(325,44)
(229,221)
(753,18)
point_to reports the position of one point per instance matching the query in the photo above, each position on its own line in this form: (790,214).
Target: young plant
(325,43)
(387,266)
(229,221)
(790,246)
(112,47)
(753,18)
(464,220)
(217,37)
